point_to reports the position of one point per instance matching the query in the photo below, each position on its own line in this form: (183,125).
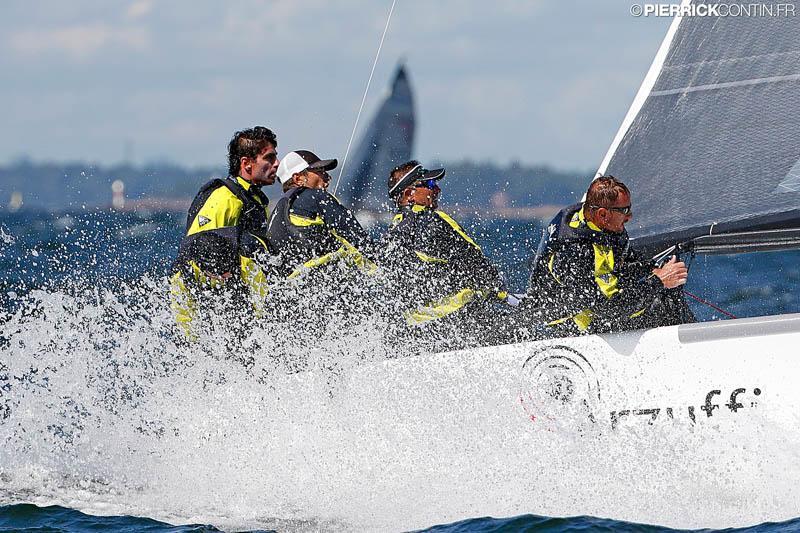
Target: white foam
(108,415)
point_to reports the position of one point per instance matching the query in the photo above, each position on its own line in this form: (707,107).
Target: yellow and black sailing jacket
(223,203)
(225,235)
(220,270)
(309,228)
(588,279)
(437,267)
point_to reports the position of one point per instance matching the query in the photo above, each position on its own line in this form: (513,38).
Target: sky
(536,81)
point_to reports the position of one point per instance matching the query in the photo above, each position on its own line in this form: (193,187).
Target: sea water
(104,412)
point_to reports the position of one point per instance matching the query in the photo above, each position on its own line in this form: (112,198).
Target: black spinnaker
(386,143)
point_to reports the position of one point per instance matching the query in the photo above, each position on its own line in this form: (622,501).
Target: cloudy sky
(536,81)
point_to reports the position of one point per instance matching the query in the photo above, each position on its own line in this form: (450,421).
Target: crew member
(226,231)
(309,228)
(217,276)
(238,200)
(440,271)
(586,279)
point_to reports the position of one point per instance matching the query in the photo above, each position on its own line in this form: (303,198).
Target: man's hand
(673,273)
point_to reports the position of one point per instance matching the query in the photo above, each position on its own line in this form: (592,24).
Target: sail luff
(644,90)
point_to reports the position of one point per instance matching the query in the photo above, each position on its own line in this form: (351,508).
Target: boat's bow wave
(103,410)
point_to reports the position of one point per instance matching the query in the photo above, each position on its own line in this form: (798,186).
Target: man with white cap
(309,228)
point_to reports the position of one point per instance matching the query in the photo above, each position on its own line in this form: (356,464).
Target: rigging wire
(700,300)
(706,302)
(364,98)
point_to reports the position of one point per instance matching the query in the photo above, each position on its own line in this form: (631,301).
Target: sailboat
(386,143)
(695,425)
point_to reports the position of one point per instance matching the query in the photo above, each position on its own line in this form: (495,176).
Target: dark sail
(387,143)
(715,144)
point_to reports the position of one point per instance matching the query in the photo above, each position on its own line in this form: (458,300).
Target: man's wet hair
(604,191)
(248,143)
(400,170)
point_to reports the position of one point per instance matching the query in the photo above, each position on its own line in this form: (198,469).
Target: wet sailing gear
(438,269)
(309,228)
(229,202)
(222,212)
(224,240)
(586,280)
(220,271)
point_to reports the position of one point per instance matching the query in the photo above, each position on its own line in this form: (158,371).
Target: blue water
(105,250)
(27,517)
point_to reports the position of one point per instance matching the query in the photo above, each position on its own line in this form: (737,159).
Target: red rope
(706,302)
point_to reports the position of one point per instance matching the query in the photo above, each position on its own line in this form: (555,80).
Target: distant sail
(387,143)
(712,141)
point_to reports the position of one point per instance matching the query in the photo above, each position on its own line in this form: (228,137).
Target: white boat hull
(685,426)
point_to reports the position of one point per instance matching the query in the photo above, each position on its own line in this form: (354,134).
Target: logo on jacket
(551,229)
(202,221)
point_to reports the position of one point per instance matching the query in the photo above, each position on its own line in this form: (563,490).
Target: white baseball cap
(300,160)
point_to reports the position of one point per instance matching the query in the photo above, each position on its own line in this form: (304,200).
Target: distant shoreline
(510,191)
(541,212)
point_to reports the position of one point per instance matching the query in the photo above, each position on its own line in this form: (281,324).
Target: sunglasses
(427,184)
(623,210)
(321,173)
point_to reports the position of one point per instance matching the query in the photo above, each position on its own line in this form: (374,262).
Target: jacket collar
(245,184)
(412,208)
(579,220)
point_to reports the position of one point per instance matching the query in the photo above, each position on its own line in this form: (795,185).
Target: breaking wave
(101,403)
(103,410)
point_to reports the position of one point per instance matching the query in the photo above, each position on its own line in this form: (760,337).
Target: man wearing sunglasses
(440,271)
(309,228)
(586,279)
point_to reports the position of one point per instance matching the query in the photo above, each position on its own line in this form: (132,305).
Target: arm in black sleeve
(340,219)
(638,288)
(637,277)
(636,265)
(466,256)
